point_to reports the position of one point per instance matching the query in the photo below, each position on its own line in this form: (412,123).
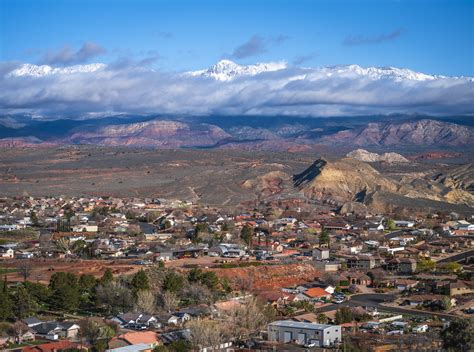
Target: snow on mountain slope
(226,70)
(44,70)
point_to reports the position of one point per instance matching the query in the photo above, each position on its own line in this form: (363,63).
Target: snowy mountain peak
(226,70)
(45,70)
(397,74)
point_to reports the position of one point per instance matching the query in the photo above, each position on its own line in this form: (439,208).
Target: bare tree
(25,270)
(249,317)
(18,329)
(208,334)
(145,302)
(168,301)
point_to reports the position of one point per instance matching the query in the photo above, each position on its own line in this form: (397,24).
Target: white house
(404,223)
(6,252)
(420,328)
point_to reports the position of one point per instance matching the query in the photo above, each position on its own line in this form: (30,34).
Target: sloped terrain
(156,133)
(347,181)
(416,133)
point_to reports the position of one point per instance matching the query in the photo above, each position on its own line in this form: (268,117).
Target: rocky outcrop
(366,156)
(347,181)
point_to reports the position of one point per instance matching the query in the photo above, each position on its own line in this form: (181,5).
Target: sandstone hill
(348,181)
(366,156)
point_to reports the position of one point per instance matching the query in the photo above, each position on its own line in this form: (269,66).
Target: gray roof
(300,325)
(32,321)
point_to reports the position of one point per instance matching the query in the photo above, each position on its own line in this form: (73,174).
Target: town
(115,274)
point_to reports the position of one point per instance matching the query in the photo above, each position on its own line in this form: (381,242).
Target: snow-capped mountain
(226,70)
(44,70)
(375,73)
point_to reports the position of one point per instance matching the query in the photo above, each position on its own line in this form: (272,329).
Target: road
(376,299)
(457,257)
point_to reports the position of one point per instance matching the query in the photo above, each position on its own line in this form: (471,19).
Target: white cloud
(331,91)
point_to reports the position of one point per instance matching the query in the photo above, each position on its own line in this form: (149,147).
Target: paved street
(457,257)
(376,299)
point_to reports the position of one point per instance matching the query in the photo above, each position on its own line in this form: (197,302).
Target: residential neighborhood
(112,274)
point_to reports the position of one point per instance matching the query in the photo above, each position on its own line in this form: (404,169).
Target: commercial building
(287,331)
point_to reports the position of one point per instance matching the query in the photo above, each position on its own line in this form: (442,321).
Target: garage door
(287,336)
(301,339)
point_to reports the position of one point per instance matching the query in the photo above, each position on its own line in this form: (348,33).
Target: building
(361,262)
(327,266)
(320,254)
(6,252)
(404,223)
(287,331)
(403,265)
(460,288)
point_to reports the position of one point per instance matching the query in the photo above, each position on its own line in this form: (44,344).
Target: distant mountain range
(226,70)
(379,133)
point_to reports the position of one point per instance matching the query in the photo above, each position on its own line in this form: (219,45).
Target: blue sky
(428,36)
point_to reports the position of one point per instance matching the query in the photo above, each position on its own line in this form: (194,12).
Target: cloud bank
(67,56)
(97,89)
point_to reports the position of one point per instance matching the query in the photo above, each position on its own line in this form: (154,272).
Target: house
(178,318)
(420,328)
(54,330)
(286,331)
(85,228)
(404,223)
(403,265)
(277,298)
(361,262)
(358,278)
(31,321)
(405,284)
(6,252)
(320,254)
(461,288)
(327,266)
(306,318)
(149,338)
(317,293)
(135,318)
(57,346)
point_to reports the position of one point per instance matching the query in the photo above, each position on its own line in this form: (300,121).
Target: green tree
(344,315)
(6,310)
(426,265)
(34,219)
(107,277)
(446,303)
(210,279)
(451,267)
(459,335)
(322,319)
(65,291)
(324,237)
(195,275)
(23,304)
(173,282)
(87,282)
(390,224)
(140,281)
(40,292)
(247,235)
